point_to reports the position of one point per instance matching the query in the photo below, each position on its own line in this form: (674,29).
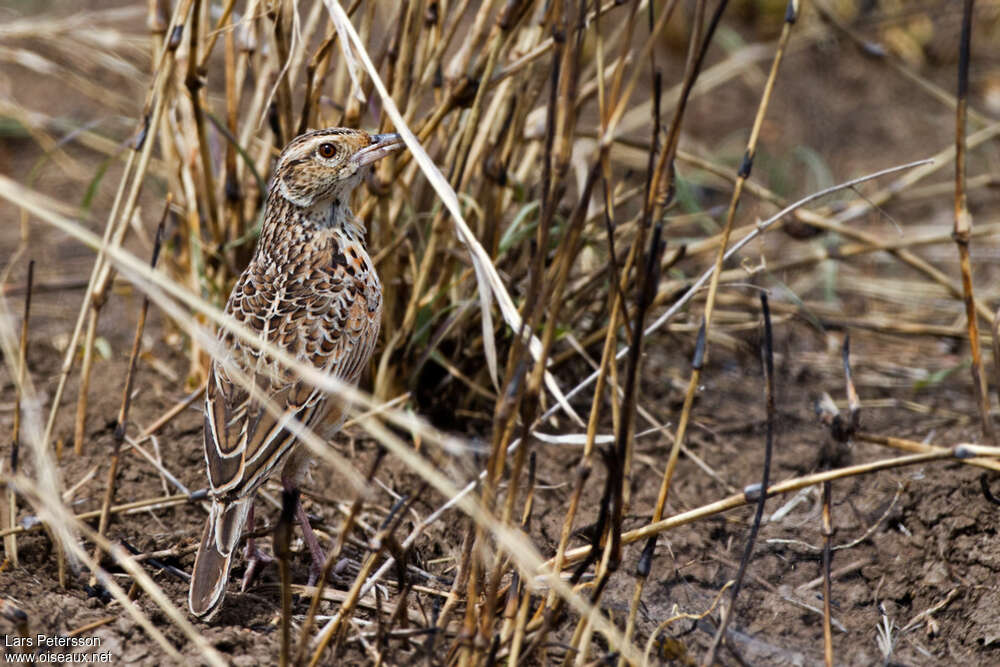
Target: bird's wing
(323,313)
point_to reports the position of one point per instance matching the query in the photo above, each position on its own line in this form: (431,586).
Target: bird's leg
(254,556)
(318,557)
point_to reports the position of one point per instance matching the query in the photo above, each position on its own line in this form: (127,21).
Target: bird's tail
(223,529)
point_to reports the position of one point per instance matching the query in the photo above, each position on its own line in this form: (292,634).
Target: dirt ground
(921,562)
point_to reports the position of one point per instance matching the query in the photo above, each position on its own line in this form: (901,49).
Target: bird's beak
(382,145)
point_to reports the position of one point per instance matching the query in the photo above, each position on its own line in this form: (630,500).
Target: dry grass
(527,228)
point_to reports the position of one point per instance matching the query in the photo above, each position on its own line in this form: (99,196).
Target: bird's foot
(256,559)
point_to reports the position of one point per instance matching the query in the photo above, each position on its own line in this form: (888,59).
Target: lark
(310,289)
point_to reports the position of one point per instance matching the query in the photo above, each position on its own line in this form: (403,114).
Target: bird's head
(323,165)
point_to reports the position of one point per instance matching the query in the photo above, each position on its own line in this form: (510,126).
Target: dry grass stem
(572,217)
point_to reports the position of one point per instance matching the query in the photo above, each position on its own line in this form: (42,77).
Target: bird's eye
(327,151)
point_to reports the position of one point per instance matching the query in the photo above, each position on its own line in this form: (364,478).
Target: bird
(310,289)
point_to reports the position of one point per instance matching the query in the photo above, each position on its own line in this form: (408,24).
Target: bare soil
(923,556)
